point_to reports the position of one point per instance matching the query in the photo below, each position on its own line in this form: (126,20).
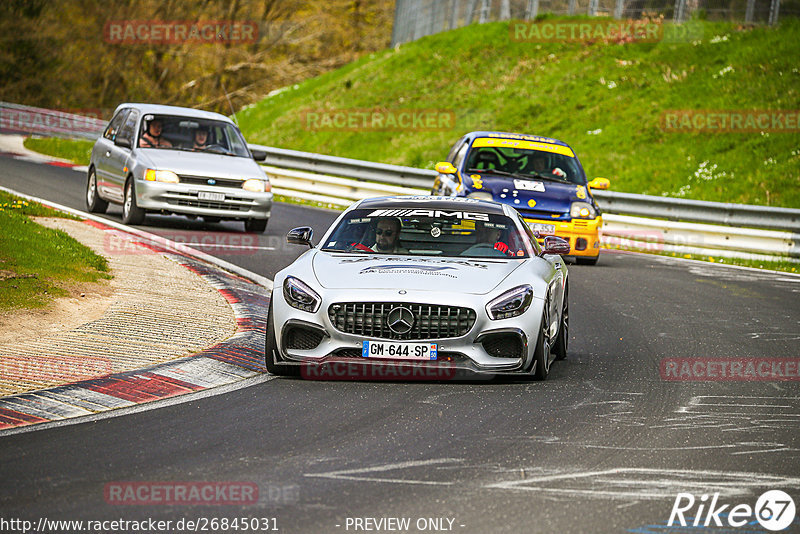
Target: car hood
(202,164)
(476,276)
(547,196)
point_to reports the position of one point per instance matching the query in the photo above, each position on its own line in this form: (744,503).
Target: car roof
(433,203)
(159,109)
(509,135)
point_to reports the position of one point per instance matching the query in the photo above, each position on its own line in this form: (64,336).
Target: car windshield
(170,132)
(524,163)
(426,232)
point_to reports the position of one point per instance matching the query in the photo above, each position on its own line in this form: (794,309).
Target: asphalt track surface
(604,445)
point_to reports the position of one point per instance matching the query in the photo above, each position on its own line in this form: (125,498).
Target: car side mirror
(445,167)
(122,141)
(555,245)
(599,183)
(259,155)
(300,236)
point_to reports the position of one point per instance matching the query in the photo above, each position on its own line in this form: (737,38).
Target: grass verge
(38,264)
(75,150)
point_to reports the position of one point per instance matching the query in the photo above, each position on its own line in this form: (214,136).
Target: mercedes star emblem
(400,320)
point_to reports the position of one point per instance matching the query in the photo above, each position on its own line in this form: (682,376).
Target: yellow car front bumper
(583,234)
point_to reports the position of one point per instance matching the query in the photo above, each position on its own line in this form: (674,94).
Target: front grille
(302,338)
(431,321)
(203,180)
(504,345)
(193,202)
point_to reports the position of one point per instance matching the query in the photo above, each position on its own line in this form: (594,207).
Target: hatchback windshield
(425,232)
(170,132)
(524,163)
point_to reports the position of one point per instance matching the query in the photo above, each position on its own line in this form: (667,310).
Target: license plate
(205,195)
(399,351)
(543,229)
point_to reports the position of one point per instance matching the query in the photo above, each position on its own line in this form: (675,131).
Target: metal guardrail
(726,230)
(681,209)
(676,209)
(350,168)
(27,120)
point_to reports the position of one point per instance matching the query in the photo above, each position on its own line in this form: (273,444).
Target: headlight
(582,210)
(300,296)
(511,303)
(152,175)
(254,185)
(481,195)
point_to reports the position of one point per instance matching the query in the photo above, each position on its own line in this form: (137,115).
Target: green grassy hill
(603,98)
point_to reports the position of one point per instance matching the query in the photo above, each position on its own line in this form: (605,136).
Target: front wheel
(94,204)
(560,344)
(255,225)
(541,354)
(271,353)
(131,212)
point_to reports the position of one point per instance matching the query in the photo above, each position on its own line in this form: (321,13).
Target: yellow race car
(540,177)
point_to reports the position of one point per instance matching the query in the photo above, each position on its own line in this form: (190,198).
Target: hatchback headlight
(299,295)
(511,303)
(582,210)
(254,185)
(152,175)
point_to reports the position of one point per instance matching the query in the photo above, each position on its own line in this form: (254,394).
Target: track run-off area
(606,444)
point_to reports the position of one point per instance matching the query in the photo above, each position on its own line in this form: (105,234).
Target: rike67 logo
(774,511)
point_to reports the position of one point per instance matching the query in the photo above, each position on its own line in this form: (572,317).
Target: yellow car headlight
(152,175)
(254,185)
(582,210)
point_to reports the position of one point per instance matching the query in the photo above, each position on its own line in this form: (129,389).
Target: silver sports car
(420,287)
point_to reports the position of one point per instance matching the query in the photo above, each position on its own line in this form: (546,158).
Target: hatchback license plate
(543,229)
(205,195)
(399,351)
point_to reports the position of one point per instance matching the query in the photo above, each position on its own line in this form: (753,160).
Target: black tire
(541,354)
(580,260)
(562,340)
(271,354)
(131,212)
(94,204)
(255,225)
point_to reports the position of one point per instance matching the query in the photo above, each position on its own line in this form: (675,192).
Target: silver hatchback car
(166,159)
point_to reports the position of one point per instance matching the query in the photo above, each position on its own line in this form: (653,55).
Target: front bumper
(183,199)
(489,347)
(583,234)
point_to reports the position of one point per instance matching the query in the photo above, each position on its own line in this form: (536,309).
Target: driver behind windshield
(152,137)
(200,138)
(537,162)
(387,236)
